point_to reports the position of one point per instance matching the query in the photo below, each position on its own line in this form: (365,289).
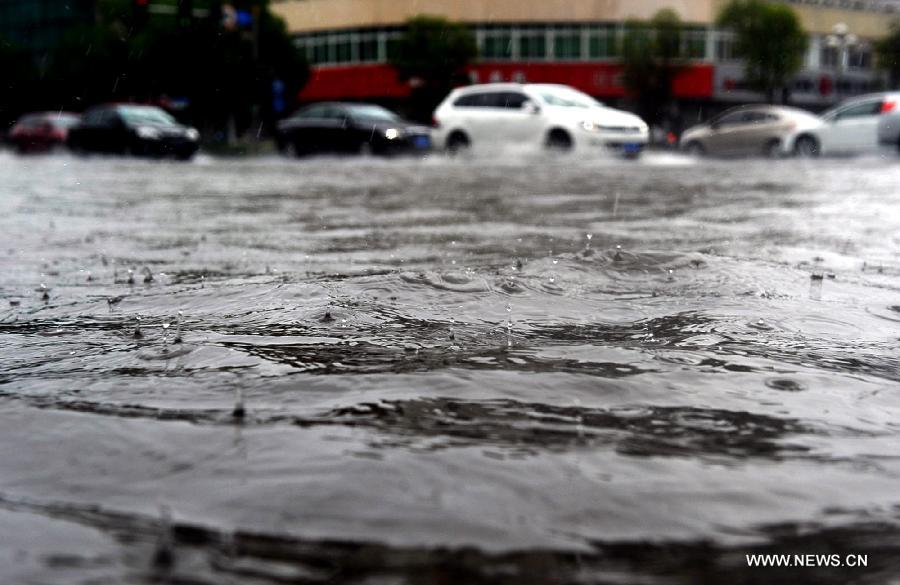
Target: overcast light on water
(478,370)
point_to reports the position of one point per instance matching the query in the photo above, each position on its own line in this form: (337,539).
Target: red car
(41,131)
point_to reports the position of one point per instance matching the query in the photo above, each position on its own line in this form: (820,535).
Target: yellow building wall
(308,15)
(312,15)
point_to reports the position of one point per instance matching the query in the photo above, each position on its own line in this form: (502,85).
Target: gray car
(753,130)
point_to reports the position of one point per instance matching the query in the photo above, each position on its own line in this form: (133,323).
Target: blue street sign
(244,18)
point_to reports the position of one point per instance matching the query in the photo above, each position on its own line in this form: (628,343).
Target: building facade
(349,44)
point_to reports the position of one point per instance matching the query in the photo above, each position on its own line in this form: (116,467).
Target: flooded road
(509,370)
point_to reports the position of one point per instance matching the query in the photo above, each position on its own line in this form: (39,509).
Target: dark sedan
(133,129)
(41,131)
(350,128)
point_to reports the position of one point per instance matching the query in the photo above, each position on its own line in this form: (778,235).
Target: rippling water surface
(509,370)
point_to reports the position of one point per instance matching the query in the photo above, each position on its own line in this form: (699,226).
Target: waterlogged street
(489,370)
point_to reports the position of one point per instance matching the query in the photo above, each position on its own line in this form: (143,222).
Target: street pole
(842,40)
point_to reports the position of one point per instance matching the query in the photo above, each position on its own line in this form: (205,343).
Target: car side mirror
(529,107)
(714,125)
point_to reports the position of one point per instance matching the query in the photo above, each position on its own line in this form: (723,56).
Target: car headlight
(148,132)
(391,133)
(192,134)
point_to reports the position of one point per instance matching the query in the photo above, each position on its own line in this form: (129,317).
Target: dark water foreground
(443,378)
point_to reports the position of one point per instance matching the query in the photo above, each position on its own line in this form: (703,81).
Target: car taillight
(435,123)
(888,106)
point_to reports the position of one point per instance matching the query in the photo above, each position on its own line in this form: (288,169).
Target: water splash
(239,411)
(509,325)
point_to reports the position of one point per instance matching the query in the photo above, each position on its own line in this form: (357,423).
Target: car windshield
(64,121)
(567,98)
(145,115)
(376,113)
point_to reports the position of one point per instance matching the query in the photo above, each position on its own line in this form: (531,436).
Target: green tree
(651,59)
(226,75)
(888,51)
(432,55)
(770,40)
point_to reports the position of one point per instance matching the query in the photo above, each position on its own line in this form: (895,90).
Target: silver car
(753,130)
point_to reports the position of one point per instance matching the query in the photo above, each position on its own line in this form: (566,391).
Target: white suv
(554,116)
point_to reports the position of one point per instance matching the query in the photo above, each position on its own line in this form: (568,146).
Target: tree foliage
(224,75)
(651,60)
(888,51)
(433,54)
(770,40)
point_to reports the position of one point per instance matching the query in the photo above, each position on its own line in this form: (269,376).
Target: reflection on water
(442,371)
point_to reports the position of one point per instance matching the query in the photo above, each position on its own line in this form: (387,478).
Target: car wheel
(558,141)
(806,147)
(458,143)
(694,148)
(772,149)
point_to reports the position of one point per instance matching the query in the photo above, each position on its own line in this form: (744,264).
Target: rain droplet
(180,318)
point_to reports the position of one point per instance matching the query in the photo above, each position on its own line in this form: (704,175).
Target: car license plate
(631,147)
(421,142)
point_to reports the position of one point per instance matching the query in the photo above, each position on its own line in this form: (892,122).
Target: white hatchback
(557,117)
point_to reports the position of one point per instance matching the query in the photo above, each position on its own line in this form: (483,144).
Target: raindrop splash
(239,411)
(164,555)
(178,321)
(509,325)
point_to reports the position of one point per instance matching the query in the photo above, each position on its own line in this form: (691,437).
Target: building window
(533,44)
(497,45)
(368,49)
(320,51)
(693,44)
(343,49)
(859,58)
(828,57)
(567,45)
(724,46)
(393,48)
(602,43)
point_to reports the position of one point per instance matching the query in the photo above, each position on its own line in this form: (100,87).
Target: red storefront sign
(598,79)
